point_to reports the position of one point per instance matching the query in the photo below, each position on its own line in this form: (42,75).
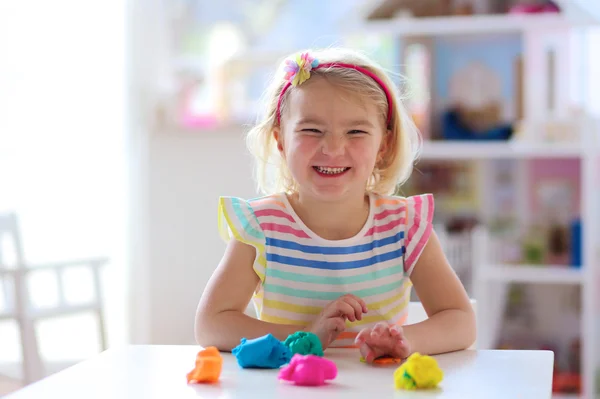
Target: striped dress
(301,272)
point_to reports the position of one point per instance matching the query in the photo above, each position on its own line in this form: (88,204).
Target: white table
(160,372)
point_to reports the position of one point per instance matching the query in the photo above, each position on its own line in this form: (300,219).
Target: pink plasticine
(308,370)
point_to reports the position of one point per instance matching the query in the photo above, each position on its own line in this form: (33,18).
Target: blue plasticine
(264,352)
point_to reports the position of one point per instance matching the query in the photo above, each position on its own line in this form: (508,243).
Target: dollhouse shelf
(469,150)
(544,274)
(473,24)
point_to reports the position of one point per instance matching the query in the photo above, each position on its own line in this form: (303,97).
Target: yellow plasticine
(418,372)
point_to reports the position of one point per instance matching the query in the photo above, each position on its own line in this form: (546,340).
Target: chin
(330,195)
(334,193)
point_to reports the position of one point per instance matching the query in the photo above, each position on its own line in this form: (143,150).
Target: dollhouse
(512,154)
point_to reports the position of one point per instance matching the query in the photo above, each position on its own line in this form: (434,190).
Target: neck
(332,220)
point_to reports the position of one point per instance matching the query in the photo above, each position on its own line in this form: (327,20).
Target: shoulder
(249,215)
(411,217)
(237,219)
(252,205)
(416,213)
(421,205)
(268,202)
(417,205)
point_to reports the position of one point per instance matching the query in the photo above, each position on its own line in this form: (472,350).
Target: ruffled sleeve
(236,219)
(419,225)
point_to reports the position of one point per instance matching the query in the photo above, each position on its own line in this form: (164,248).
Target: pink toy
(309,370)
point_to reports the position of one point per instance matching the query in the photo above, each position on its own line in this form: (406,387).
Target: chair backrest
(11,248)
(11,258)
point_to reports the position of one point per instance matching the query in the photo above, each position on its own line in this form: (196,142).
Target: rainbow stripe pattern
(301,272)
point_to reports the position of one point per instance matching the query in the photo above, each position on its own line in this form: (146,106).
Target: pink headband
(298,71)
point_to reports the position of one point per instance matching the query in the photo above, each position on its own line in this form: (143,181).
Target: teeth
(331,171)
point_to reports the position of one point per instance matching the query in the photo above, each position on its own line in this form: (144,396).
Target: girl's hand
(332,319)
(383,339)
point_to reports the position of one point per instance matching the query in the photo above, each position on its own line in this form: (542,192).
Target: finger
(367,353)
(380,330)
(396,331)
(356,305)
(347,310)
(370,353)
(401,350)
(400,347)
(362,303)
(397,337)
(362,336)
(340,308)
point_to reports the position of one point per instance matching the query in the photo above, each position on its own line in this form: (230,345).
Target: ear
(278,137)
(384,146)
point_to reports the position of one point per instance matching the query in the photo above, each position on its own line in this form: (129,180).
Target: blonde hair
(403,140)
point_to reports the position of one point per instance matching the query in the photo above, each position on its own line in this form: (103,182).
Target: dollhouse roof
(385,9)
(388,9)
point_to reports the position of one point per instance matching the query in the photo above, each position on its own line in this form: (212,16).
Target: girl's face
(331,139)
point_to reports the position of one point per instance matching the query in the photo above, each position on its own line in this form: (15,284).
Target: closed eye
(357,132)
(311,130)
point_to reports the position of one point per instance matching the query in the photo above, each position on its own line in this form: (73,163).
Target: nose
(333,145)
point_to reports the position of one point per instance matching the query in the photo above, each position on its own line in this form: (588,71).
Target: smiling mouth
(330,171)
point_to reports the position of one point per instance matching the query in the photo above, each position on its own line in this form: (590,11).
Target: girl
(329,249)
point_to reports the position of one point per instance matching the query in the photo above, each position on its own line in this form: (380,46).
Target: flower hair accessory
(298,71)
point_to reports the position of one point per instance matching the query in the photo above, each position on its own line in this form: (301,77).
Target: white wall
(175,181)
(186,177)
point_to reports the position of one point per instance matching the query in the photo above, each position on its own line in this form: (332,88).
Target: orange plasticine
(208,366)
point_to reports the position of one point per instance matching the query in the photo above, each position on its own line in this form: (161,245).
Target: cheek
(365,150)
(301,147)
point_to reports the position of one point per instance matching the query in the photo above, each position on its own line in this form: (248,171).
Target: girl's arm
(220,318)
(451,322)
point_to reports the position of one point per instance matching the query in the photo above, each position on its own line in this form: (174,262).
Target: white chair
(18,307)
(417,314)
